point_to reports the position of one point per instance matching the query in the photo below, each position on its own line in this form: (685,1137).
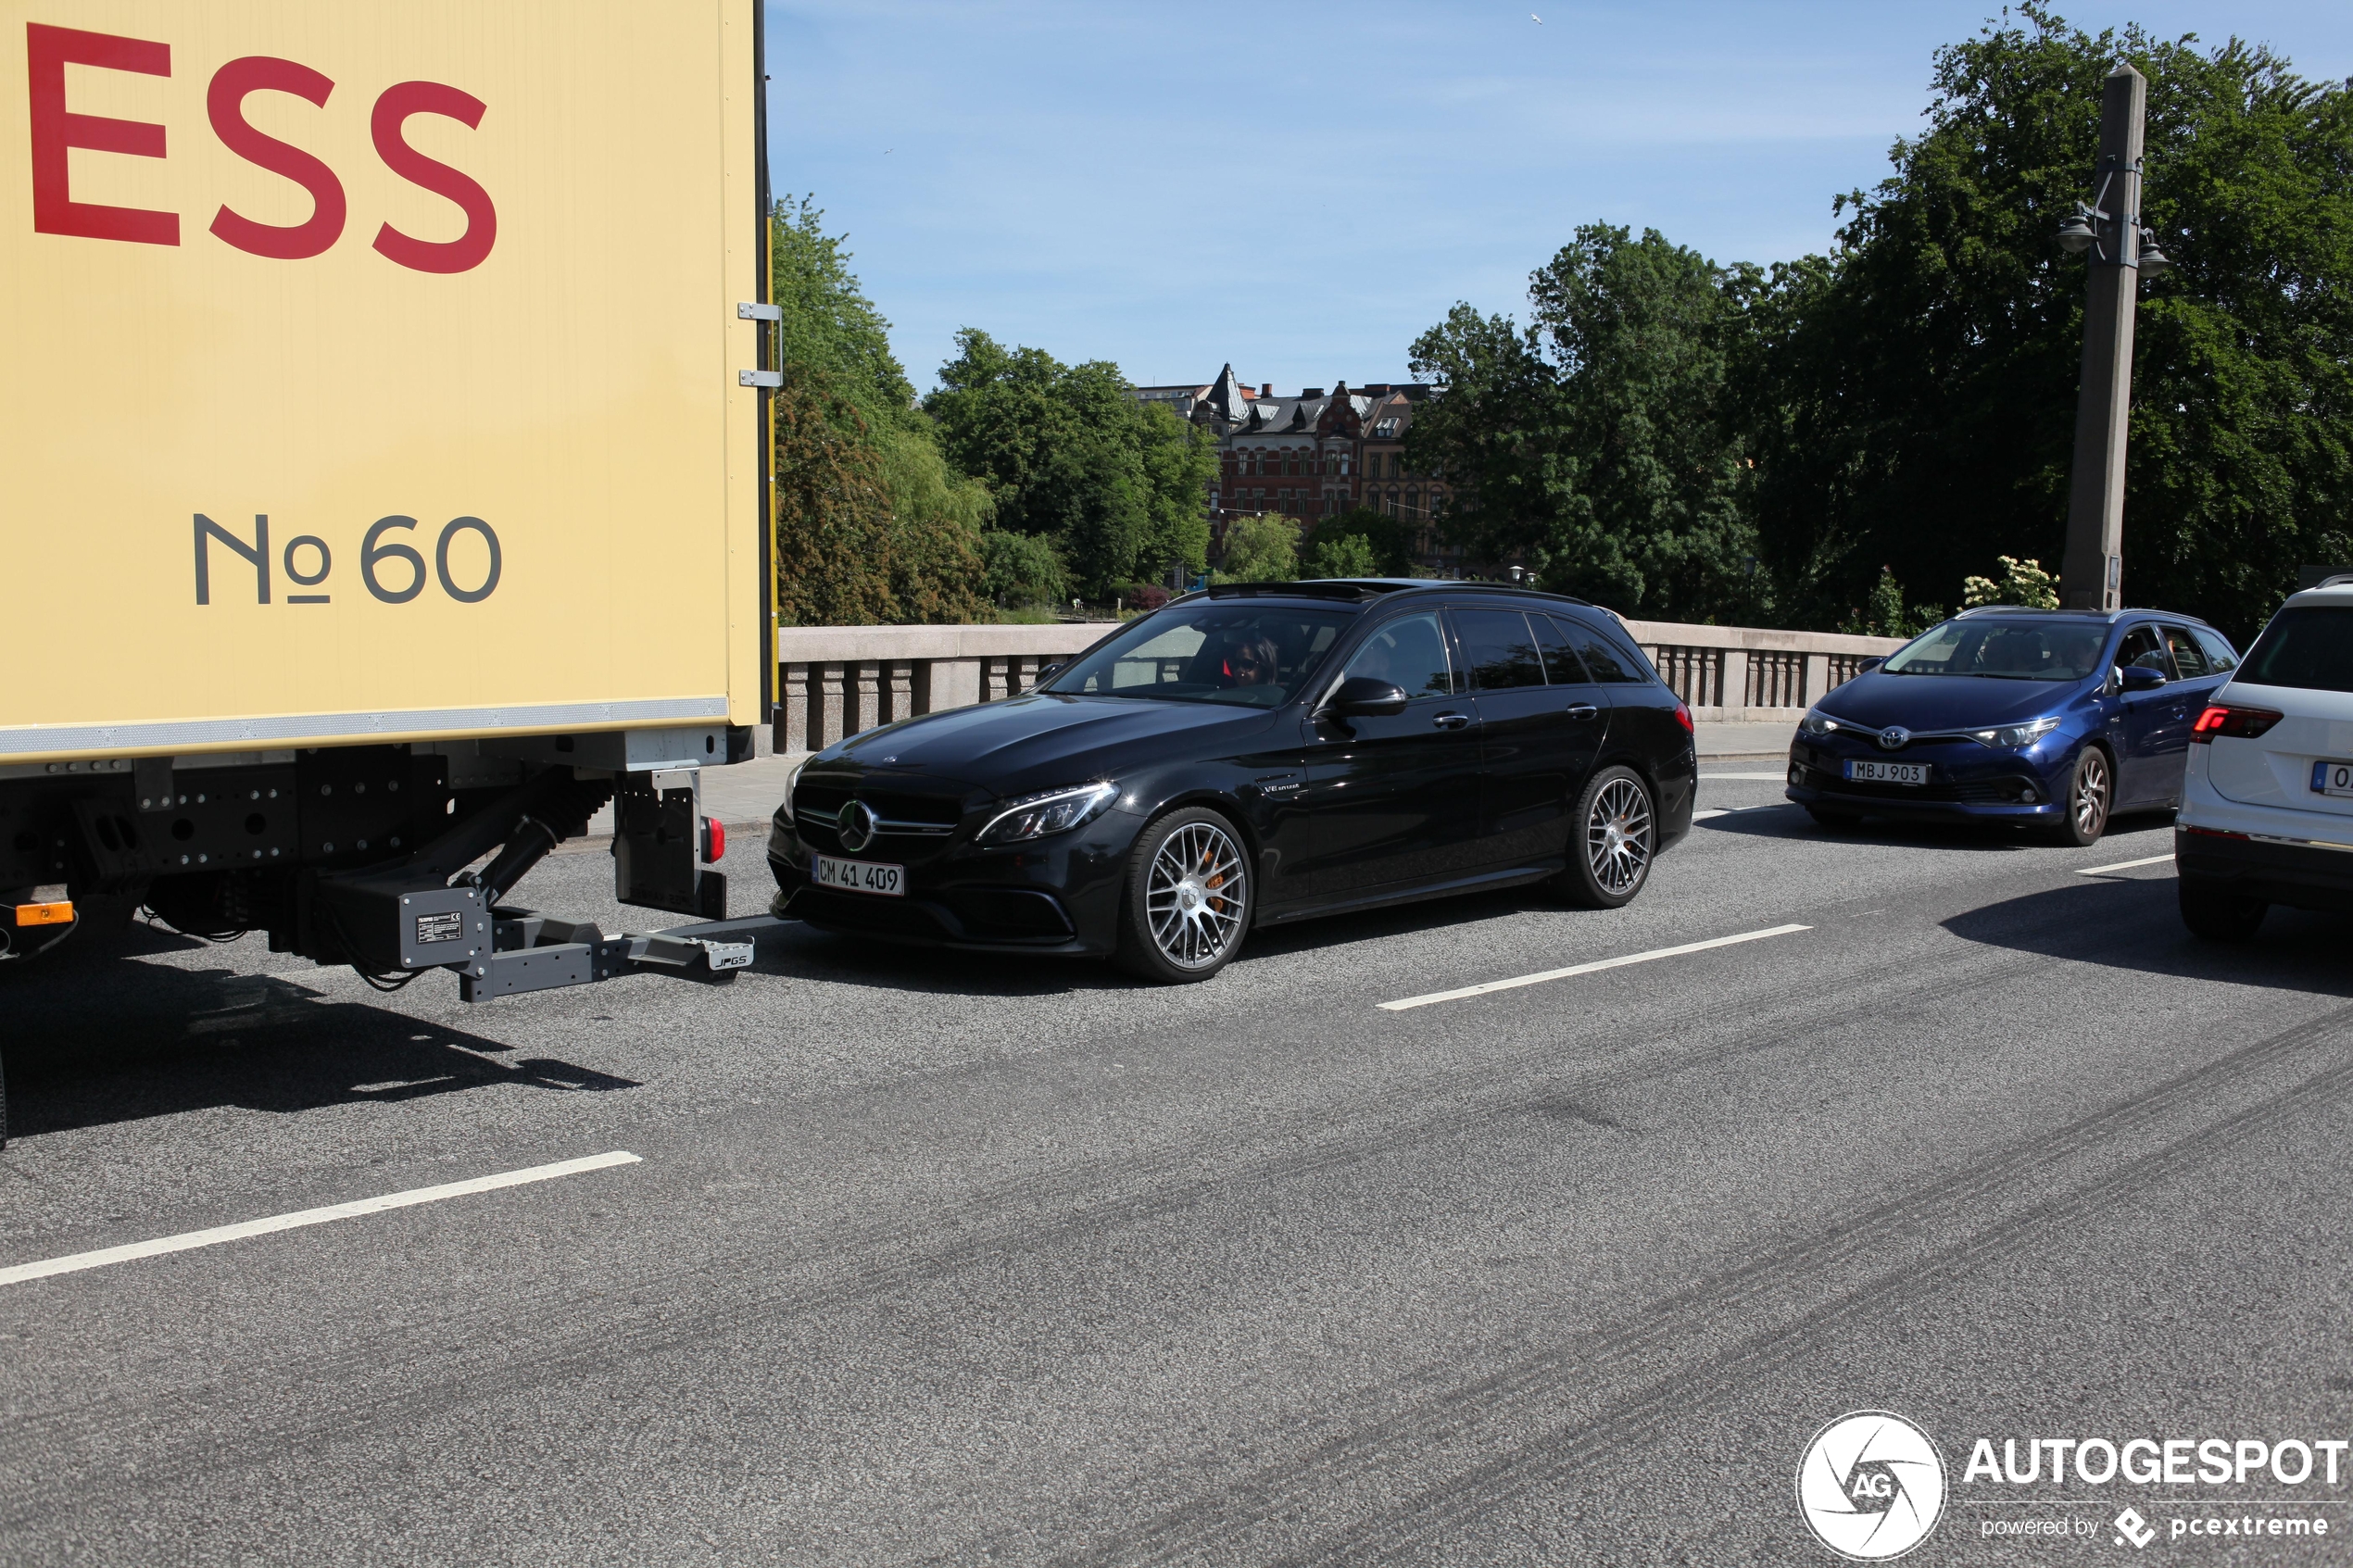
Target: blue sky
(1303,189)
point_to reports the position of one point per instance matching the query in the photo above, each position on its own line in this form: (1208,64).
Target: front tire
(2091,791)
(2218,916)
(1613,839)
(1186,905)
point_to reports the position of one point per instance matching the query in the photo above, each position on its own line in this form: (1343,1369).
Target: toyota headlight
(1056,810)
(1817,724)
(2011,737)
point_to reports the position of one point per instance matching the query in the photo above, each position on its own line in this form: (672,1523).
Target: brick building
(1315,455)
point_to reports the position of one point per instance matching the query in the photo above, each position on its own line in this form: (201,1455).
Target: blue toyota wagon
(2054,720)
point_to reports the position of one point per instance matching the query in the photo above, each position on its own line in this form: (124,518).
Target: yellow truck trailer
(385,467)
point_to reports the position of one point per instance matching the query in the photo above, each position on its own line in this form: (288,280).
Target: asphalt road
(937,1260)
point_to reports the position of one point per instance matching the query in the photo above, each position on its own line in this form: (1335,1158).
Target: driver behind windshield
(1249,661)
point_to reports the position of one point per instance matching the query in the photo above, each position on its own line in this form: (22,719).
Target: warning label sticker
(447,926)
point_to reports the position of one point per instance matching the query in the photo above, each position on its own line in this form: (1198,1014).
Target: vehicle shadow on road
(156,1040)
(2133,923)
(849,959)
(2143,833)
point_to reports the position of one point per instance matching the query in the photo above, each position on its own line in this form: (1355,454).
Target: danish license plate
(2332,778)
(1888,773)
(863,876)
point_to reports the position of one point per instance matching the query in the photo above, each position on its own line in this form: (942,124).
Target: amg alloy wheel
(2090,792)
(1188,898)
(1616,835)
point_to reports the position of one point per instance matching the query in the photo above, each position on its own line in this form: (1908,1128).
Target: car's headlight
(2010,736)
(792,781)
(1056,810)
(1818,723)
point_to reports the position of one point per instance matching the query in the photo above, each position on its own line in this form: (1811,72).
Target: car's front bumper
(1972,785)
(1053,895)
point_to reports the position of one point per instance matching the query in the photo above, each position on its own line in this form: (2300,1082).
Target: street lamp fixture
(2155,263)
(2077,235)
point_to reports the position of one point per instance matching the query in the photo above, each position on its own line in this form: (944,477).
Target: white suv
(2267,808)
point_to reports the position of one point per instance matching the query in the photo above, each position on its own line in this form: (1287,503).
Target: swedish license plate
(1888,773)
(863,876)
(2332,778)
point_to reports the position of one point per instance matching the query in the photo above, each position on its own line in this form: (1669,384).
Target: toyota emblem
(858,825)
(1892,737)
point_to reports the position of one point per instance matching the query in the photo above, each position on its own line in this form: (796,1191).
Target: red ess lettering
(48,50)
(392,109)
(224,101)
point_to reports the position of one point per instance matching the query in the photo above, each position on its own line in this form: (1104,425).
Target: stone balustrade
(834,680)
(1777,675)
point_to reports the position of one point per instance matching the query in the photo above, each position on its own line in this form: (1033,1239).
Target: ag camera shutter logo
(1870,1486)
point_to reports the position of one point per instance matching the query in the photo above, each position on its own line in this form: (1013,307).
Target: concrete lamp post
(2121,252)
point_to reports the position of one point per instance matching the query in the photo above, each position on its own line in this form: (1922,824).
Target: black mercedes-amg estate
(1247,756)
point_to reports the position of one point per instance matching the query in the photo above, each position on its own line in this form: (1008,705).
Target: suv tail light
(2243,723)
(1683,717)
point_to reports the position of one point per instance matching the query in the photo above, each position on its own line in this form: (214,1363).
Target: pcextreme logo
(1870,1486)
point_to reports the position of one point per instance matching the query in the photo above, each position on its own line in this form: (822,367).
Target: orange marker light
(57,913)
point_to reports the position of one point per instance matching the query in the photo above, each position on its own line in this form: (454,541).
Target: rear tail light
(2207,833)
(714,840)
(2245,722)
(1683,717)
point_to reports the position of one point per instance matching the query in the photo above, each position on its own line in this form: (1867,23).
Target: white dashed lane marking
(1597,965)
(2166,859)
(73,1262)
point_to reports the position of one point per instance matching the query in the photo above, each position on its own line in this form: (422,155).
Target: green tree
(1260,549)
(829,323)
(1024,570)
(1598,438)
(1387,542)
(913,522)
(833,511)
(1884,614)
(1912,396)
(1069,455)
(1343,555)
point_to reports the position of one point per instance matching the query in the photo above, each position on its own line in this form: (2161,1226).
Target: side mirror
(1868,665)
(2141,678)
(1367,696)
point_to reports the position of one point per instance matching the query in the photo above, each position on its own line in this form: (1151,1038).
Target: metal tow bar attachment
(539,953)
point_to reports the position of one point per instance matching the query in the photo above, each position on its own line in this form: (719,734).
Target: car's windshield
(1210,651)
(2015,650)
(2306,645)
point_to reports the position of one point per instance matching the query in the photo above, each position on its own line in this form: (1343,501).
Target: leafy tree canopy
(1387,542)
(1682,439)
(1069,456)
(1343,555)
(829,323)
(1913,400)
(1596,437)
(1260,549)
(873,525)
